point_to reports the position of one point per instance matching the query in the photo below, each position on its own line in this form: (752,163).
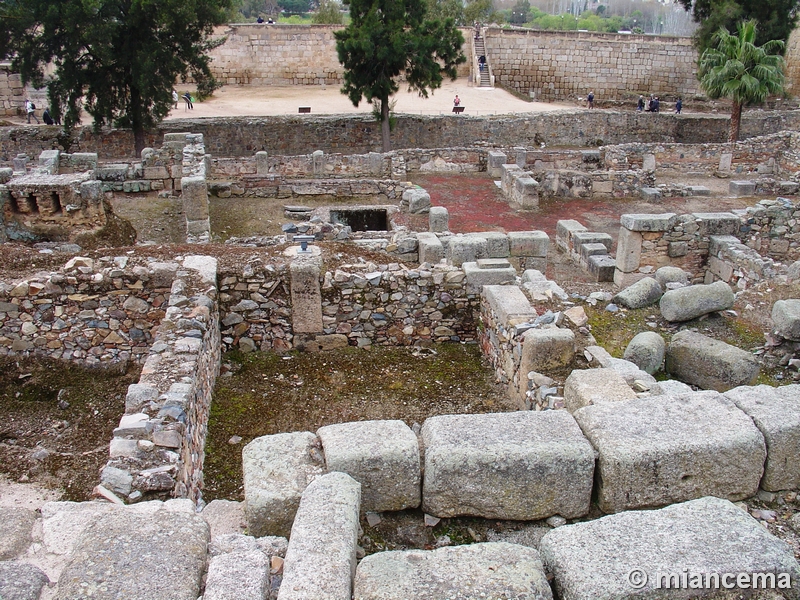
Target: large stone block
(722,223)
(565,229)
(194,192)
(520,465)
(461,249)
(646,350)
(648,222)
(602,267)
(488,570)
(277,469)
(690,302)
(657,451)
(321,559)
(650,194)
(383,456)
(776,413)
(16,526)
(509,304)
(640,554)
(238,576)
(786,319)
(21,581)
(579,238)
(585,387)
(708,363)
(418,200)
(629,250)
(496,243)
(495,162)
(430,248)
(547,348)
(643,293)
(528,243)
(737,189)
(438,219)
(306,295)
(488,271)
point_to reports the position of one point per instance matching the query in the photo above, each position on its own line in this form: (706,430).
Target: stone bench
(488,570)
(631,555)
(657,451)
(519,465)
(321,558)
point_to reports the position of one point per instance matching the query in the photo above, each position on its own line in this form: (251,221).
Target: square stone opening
(362,219)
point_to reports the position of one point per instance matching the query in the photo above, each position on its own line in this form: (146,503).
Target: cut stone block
(461,249)
(477,276)
(528,243)
(648,222)
(520,465)
(594,249)
(509,304)
(16,525)
(438,219)
(418,199)
(708,363)
(786,319)
(526,192)
(646,350)
(496,243)
(545,349)
(598,559)
(643,293)
(430,248)
(698,190)
(579,238)
(788,187)
(321,559)
(629,250)
(306,295)
(495,161)
(601,267)
(690,302)
(585,387)
(262,163)
(737,189)
(565,229)
(723,223)
(623,280)
(277,469)
(650,194)
(138,554)
(238,576)
(667,449)
(488,570)
(194,192)
(21,581)
(383,456)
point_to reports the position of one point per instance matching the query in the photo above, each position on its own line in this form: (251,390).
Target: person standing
(48,120)
(590,99)
(678,106)
(30,107)
(456,101)
(640,104)
(175,98)
(188,98)
(656,104)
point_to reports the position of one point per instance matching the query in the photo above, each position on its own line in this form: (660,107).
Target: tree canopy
(387,38)
(776,18)
(740,70)
(117,59)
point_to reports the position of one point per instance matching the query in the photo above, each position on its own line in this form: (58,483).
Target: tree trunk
(137,122)
(736,120)
(385,130)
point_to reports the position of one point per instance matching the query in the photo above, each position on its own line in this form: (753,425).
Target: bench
(304,109)
(458,109)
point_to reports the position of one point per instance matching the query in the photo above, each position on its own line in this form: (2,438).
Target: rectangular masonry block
(520,465)
(629,250)
(528,243)
(667,449)
(496,243)
(548,348)
(602,267)
(737,189)
(495,161)
(593,249)
(650,194)
(461,249)
(509,304)
(698,190)
(565,229)
(478,276)
(586,387)
(579,238)
(430,248)
(647,222)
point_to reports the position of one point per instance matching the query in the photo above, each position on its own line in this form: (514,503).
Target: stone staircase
(480,50)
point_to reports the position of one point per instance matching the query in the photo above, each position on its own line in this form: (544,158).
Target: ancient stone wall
(12,92)
(549,65)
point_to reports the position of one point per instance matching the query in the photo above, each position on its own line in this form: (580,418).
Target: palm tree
(740,70)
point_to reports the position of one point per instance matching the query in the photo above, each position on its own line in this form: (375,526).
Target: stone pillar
(649,163)
(375,163)
(318,163)
(194,192)
(438,219)
(521,157)
(725,163)
(21,163)
(49,161)
(262,167)
(495,161)
(306,294)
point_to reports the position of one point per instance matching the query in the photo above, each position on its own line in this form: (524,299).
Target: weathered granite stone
(277,468)
(520,465)
(528,243)
(585,387)
(138,555)
(669,387)
(238,576)
(776,413)
(650,194)
(21,581)
(647,222)
(16,524)
(63,523)
(601,559)
(418,199)
(438,219)
(565,229)
(708,363)
(430,247)
(224,517)
(665,275)
(666,449)
(548,348)
(510,304)
(643,293)
(383,456)
(786,319)
(488,570)
(497,245)
(601,267)
(321,559)
(687,303)
(461,249)
(646,350)
(737,189)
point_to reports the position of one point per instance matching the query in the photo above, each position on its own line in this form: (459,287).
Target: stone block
(49,161)
(629,250)
(690,302)
(509,304)
(508,174)
(650,194)
(708,363)
(648,222)
(666,449)
(16,525)
(649,162)
(717,223)
(418,200)
(477,276)
(788,187)
(21,581)
(646,350)
(5,174)
(306,295)
(321,558)
(565,229)
(677,249)
(495,161)
(497,245)
(579,238)
(701,540)
(526,192)
(262,163)
(155,173)
(786,319)
(277,469)
(520,465)
(585,387)
(544,349)
(91,191)
(776,413)
(601,267)
(194,193)
(725,160)
(438,219)
(643,293)
(698,190)
(721,269)
(487,570)
(528,243)
(383,456)
(463,249)
(668,274)
(430,248)
(238,576)
(737,189)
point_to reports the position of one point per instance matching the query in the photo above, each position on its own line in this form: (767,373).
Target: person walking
(590,99)
(175,98)
(188,98)
(678,106)
(30,107)
(640,104)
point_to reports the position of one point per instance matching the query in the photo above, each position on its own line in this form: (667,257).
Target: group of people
(187,98)
(653,104)
(30,112)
